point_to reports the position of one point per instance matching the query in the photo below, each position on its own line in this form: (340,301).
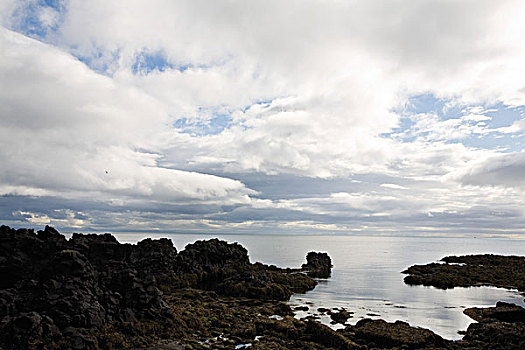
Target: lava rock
(205,255)
(389,335)
(340,316)
(318,265)
(504,312)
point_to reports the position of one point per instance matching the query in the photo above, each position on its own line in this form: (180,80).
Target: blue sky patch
(213,126)
(146,63)
(29,18)
(483,126)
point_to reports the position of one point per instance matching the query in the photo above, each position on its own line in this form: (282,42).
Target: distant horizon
(314,117)
(159,233)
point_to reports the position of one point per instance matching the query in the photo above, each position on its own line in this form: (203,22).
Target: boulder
(205,255)
(390,335)
(318,265)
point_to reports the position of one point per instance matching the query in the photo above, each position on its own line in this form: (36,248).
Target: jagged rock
(23,253)
(504,312)
(60,293)
(390,335)
(157,255)
(318,265)
(328,337)
(301,308)
(470,270)
(340,316)
(204,255)
(17,331)
(495,335)
(502,326)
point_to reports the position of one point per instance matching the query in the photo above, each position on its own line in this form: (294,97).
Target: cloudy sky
(299,116)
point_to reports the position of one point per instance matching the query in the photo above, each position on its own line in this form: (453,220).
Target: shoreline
(206,296)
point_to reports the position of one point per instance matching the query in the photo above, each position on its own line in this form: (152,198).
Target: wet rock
(504,312)
(494,335)
(328,337)
(318,265)
(502,326)
(340,316)
(301,308)
(389,335)
(470,270)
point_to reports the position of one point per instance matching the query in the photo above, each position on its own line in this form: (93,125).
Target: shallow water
(366,277)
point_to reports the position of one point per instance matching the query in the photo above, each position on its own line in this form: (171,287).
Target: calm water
(366,277)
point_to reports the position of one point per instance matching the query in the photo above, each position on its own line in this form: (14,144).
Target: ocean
(366,277)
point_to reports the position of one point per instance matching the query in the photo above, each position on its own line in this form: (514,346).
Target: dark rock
(505,312)
(301,308)
(156,255)
(328,337)
(495,335)
(388,335)
(470,270)
(500,327)
(318,265)
(25,327)
(340,316)
(93,292)
(204,255)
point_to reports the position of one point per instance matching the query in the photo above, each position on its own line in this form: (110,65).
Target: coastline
(207,296)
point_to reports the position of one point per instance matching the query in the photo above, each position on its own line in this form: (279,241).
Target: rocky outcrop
(318,265)
(57,287)
(504,312)
(205,255)
(340,316)
(388,335)
(470,270)
(499,327)
(60,293)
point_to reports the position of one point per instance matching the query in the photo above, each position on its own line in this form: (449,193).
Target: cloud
(263,115)
(68,131)
(499,170)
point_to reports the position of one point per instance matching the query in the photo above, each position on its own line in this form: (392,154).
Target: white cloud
(68,131)
(498,170)
(394,186)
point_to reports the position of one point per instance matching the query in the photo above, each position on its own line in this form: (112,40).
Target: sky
(277,117)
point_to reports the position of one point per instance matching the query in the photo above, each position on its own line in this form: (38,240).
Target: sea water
(366,277)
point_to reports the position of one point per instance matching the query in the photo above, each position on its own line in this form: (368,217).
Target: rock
(204,255)
(301,308)
(495,335)
(505,312)
(93,292)
(470,270)
(68,263)
(328,337)
(156,255)
(388,335)
(318,265)
(502,326)
(31,326)
(340,316)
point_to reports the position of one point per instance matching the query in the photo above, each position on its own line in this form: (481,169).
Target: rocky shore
(470,270)
(92,292)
